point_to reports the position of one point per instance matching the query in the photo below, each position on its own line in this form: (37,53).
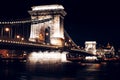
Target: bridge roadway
(72,55)
(24,45)
(33,46)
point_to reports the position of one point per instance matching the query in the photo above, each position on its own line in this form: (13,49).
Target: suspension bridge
(44,31)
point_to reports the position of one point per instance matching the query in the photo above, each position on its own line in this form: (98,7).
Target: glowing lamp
(18,36)
(7,29)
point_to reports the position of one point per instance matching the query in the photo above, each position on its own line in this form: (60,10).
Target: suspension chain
(27,21)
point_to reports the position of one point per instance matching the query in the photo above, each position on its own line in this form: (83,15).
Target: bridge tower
(51,30)
(90,46)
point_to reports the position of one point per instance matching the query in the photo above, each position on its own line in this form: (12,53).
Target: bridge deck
(15,44)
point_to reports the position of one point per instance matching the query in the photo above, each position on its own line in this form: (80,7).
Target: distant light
(91,58)
(22,39)
(90,42)
(69,40)
(66,44)
(24,54)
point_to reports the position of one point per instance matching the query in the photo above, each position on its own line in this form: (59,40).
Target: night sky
(86,20)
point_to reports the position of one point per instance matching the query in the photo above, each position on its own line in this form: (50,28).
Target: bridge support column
(45,16)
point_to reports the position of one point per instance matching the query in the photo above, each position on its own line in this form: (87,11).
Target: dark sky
(97,20)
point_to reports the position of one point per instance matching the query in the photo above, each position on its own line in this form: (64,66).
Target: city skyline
(85,21)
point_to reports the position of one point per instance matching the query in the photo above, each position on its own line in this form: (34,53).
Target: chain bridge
(44,31)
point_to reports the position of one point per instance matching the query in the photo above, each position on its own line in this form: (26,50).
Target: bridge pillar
(90,46)
(47,26)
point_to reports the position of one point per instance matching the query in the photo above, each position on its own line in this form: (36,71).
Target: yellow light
(18,36)
(7,29)
(22,38)
(41,37)
(24,54)
(46,34)
(69,40)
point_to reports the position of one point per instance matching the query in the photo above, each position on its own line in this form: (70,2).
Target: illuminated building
(50,31)
(108,50)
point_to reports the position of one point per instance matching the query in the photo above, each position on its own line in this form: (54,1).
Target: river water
(60,71)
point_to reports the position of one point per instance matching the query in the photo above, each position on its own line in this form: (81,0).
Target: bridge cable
(26,21)
(70,38)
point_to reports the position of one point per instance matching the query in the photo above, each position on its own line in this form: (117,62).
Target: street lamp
(22,38)
(18,36)
(7,32)
(7,29)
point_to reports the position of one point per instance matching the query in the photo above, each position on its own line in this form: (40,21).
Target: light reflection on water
(47,57)
(59,71)
(93,67)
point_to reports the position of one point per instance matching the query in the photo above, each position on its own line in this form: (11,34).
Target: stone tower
(47,24)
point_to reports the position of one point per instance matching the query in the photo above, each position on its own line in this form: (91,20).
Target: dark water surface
(60,71)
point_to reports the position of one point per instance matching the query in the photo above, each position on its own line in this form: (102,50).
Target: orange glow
(4,52)
(18,36)
(41,37)
(7,29)
(22,39)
